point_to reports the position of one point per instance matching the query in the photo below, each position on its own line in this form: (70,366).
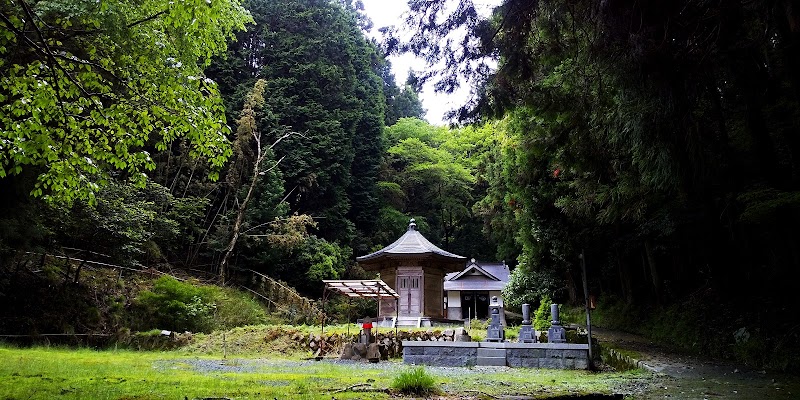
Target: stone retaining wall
(327,343)
(528,355)
(441,354)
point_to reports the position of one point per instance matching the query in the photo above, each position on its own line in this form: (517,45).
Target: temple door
(410,291)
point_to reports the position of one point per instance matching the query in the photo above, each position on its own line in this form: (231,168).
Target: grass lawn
(46,373)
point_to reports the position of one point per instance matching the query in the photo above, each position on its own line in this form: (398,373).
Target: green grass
(85,374)
(41,373)
(415,381)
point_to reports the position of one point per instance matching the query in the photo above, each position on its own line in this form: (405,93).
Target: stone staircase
(408,322)
(491,357)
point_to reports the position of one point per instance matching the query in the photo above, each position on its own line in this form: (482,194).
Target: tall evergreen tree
(323,82)
(662,137)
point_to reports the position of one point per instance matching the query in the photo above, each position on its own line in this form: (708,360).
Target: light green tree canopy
(86,87)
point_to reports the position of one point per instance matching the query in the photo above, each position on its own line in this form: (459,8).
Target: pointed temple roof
(412,243)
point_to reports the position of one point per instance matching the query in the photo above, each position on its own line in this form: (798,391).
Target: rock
(347,352)
(463,338)
(373,353)
(448,333)
(360,349)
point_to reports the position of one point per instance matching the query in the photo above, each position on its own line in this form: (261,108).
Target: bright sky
(390,12)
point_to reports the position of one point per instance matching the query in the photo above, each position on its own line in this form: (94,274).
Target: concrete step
(484,352)
(407,322)
(492,361)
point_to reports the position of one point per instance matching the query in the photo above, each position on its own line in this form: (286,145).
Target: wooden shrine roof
(371,288)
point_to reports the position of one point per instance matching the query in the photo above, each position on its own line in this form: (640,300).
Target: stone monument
(495,331)
(556,333)
(526,332)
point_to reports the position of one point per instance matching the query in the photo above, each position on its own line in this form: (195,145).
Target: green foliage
(764,205)
(130,224)
(176,306)
(672,167)
(51,302)
(183,306)
(89,88)
(430,173)
(415,381)
(236,308)
(525,286)
(325,260)
(346,310)
(542,317)
(401,102)
(321,81)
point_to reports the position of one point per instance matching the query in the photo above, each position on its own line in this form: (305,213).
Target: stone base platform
(528,355)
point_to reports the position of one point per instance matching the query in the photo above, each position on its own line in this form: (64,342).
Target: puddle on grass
(561,397)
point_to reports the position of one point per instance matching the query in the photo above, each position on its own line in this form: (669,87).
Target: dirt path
(685,377)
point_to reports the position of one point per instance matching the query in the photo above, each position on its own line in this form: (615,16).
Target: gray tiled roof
(491,276)
(411,243)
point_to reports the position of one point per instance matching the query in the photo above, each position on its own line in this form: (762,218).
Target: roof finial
(412,225)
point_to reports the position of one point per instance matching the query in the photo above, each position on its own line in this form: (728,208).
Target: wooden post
(322,313)
(349,306)
(588,310)
(396,315)
(378,315)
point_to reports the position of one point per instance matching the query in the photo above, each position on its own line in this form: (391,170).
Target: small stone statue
(366,326)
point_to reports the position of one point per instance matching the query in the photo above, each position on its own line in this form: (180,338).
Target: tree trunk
(624,280)
(651,261)
(237,225)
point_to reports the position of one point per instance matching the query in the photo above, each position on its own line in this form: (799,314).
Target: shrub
(235,308)
(183,306)
(416,382)
(541,317)
(176,306)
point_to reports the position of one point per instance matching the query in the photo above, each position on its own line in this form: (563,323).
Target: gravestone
(556,333)
(526,332)
(495,332)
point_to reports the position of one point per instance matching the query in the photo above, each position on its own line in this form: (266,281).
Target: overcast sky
(390,12)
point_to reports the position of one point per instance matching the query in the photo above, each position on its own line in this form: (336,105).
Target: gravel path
(685,377)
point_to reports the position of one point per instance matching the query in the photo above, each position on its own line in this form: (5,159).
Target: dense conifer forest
(658,140)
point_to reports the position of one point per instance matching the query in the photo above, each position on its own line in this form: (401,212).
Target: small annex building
(469,292)
(415,268)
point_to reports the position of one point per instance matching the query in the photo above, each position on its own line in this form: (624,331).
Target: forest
(658,142)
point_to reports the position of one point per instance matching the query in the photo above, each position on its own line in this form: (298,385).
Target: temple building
(469,292)
(415,268)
